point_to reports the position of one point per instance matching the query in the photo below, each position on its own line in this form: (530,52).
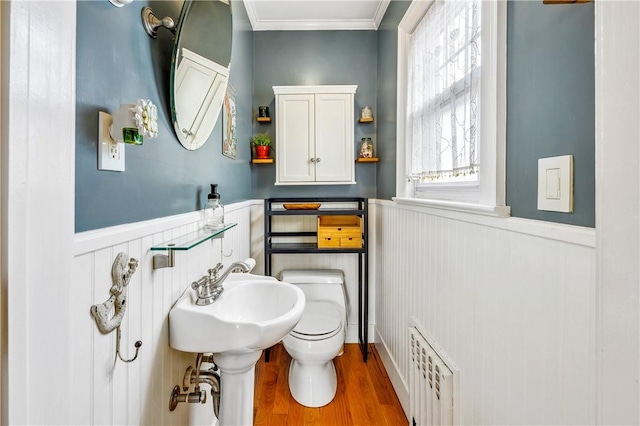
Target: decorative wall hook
(120,276)
(121,273)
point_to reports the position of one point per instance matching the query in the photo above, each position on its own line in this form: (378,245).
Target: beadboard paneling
(112,392)
(515,312)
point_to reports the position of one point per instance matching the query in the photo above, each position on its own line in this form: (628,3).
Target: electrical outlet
(110,152)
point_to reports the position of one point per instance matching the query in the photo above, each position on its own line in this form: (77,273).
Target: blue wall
(283,58)
(550,103)
(551,98)
(118,63)
(388,97)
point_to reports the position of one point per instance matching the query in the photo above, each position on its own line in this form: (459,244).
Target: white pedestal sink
(253,313)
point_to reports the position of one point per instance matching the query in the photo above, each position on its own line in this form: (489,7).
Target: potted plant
(262,143)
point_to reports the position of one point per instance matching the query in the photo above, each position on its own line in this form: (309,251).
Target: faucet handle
(213,272)
(201,282)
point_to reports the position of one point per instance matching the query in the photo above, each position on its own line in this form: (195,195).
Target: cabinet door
(295,135)
(334,138)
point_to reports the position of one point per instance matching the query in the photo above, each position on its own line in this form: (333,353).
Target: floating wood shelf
(262,161)
(365,120)
(263,119)
(367,160)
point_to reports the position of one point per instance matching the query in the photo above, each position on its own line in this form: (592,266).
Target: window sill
(492,211)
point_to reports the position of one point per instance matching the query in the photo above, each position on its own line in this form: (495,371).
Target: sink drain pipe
(197,377)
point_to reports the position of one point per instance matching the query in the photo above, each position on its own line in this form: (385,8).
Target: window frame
(490,193)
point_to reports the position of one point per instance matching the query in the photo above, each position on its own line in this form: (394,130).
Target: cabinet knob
(317,160)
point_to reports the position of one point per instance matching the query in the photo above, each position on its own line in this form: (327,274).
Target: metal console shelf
(273,207)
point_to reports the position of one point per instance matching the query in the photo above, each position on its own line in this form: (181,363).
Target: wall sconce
(151,23)
(119,3)
(129,124)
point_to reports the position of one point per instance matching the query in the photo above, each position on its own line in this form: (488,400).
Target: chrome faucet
(210,287)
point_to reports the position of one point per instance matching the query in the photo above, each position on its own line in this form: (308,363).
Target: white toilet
(318,337)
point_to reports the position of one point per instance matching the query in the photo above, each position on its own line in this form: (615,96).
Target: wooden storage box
(339,232)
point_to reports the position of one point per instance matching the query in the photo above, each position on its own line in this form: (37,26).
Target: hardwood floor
(364,396)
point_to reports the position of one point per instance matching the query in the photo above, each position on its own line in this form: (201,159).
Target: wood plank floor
(365,395)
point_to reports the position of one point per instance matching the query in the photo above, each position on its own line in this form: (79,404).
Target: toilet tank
(318,284)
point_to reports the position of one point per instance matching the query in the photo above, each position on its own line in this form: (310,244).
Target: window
(451,101)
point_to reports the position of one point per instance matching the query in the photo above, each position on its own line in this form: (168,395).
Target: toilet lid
(320,320)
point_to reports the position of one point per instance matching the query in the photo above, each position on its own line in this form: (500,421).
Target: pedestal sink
(253,313)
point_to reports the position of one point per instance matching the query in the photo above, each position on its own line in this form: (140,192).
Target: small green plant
(261,139)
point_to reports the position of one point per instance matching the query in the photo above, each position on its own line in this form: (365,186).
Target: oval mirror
(200,71)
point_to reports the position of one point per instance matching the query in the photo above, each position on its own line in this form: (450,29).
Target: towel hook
(121,273)
(137,345)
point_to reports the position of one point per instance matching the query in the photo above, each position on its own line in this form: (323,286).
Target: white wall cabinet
(315,135)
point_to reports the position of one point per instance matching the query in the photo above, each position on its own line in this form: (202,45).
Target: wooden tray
(312,206)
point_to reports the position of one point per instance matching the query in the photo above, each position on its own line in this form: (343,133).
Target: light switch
(555,184)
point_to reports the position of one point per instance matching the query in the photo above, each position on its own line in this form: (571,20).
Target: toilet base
(312,385)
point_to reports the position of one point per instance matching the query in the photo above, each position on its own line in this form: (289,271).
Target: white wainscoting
(511,301)
(138,393)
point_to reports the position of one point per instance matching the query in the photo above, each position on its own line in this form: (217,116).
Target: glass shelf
(183,243)
(192,239)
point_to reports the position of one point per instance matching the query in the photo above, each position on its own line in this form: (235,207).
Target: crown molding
(314,24)
(382,9)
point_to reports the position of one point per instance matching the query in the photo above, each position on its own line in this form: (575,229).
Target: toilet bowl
(318,337)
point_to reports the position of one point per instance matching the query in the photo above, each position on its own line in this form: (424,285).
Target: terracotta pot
(262,151)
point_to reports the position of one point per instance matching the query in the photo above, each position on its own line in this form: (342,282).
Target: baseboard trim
(399,385)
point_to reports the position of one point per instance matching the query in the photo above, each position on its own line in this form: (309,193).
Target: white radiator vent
(432,384)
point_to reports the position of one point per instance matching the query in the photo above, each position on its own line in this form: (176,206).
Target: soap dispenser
(214,210)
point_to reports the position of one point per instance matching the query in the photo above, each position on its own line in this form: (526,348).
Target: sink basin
(253,313)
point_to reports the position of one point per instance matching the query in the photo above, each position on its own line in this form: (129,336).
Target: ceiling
(292,15)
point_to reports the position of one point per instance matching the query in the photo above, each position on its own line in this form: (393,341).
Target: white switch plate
(555,184)
(110,152)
